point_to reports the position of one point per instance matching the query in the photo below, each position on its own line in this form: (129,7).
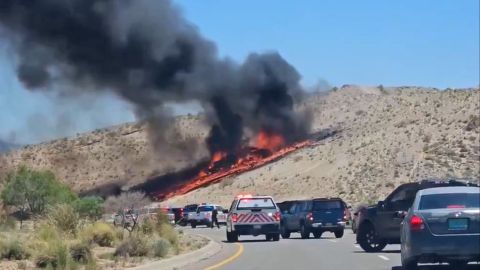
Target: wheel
(368,239)
(304,233)
(458,265)
(339,234)
(268,237)
(232,237)
(409,263)
(317,234)
(209,224)
(284,232)
(276,237)
(193,224)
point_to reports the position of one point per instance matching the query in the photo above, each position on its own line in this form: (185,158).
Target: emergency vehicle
(253,215)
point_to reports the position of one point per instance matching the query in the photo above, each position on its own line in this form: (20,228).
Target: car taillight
(309,216)
(345,218)
(416,223)
(277,216)
(234,217)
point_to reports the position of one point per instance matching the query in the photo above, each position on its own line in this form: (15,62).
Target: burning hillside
(267,148)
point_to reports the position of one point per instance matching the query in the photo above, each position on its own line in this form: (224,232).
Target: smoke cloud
(145,52)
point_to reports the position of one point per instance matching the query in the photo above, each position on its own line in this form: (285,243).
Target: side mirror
(381,204)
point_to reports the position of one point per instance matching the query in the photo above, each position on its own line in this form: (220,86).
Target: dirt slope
(388,136)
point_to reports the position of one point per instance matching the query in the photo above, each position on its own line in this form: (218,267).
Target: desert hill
(387,136)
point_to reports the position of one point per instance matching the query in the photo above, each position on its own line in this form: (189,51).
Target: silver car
(443,225)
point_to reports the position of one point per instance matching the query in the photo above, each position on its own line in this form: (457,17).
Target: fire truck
(253,215)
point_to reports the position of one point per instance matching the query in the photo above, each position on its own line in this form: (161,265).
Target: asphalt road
(295,253)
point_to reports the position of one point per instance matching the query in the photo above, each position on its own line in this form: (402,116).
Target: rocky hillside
(387,136)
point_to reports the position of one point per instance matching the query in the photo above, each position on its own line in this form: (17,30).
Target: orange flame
(247,162)
(269,141)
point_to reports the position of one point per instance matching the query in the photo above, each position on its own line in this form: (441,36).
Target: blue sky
(426,43)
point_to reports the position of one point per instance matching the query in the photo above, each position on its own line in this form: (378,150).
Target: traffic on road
(429,222)
(434,222)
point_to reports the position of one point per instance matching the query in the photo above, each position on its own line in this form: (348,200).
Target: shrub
(80,252)
(91,207)
(99,233)
(168,232)
(32,191)
(12,249)
(135,245)
(160,247)
(64,218)
(147,226)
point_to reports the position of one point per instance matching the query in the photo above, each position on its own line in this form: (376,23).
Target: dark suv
(379,225)
(314,216)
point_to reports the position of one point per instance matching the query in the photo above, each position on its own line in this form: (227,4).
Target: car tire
(193,224)
(284,232)
(317,235)
(232,237)
(458,265)
(276,237)
(368,239)
(268,237)
(304,233)
(339,234)
(409,263)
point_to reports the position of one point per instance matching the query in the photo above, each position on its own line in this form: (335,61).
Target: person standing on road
(214,218)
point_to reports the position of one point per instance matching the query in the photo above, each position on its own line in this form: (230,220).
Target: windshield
(323,205)
(205,208)
(251,203)
(451,200)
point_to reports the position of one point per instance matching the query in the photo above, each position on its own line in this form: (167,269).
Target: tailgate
(328,216)
(255,217)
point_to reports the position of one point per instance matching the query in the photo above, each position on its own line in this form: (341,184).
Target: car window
(402,199)
(453,200)
(205,208)
(250,203)
(323,205)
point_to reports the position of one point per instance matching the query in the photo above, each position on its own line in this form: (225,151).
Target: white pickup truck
(203,215)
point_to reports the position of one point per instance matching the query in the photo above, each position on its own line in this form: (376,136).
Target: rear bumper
(256,229)
(324,227)
(429,248)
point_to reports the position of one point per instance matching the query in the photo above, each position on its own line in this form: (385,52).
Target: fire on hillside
(265,148)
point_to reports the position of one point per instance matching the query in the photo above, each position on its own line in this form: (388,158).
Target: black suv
(314,216)
(379,225)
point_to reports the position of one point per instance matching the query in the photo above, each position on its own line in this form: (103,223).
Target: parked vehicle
(443,225)
(178,213)
(380,225)
(315,216)
(203,215)
(186,210)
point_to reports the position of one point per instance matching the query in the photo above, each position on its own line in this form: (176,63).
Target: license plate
(328,224)
(257,227)
(457,224)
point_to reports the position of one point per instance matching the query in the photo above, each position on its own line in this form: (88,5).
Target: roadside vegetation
(43,224)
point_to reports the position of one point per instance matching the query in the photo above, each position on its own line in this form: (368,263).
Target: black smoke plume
(145,52)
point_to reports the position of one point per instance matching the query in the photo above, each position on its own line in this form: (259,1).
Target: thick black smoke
(148,54)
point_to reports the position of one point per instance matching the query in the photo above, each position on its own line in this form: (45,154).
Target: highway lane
(295,253)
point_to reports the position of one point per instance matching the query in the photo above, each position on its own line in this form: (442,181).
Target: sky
(431,43)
